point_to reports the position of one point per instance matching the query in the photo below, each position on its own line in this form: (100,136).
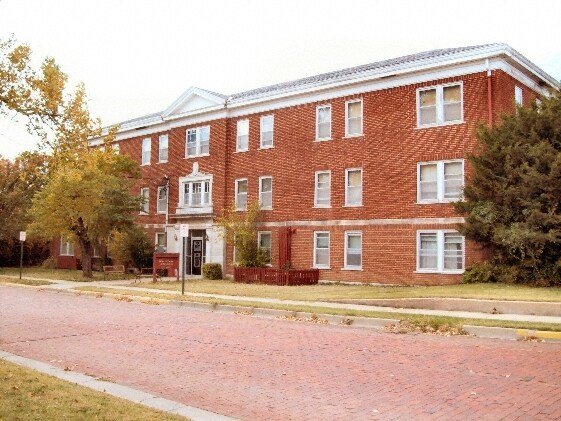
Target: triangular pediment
(194,99)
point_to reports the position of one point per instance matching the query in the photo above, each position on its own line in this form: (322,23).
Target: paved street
(260,369)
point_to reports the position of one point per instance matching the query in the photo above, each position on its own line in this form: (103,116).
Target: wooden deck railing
(272,276)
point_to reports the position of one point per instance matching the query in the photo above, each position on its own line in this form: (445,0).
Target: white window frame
(261,145)
(315,264)
(440,252)
(347,126)
(239,124)
(318,108)
(236,183)
(116,147)
(66,246)
(440,182)
(145,207)
(156,242)
(198,142)
(347,170)
(347,235)
(260,235)
(159,208)
(440,105)
(187,202)
(163,139)
(261,192)
(316,189)
(146,155)
(95,250)
(518,96)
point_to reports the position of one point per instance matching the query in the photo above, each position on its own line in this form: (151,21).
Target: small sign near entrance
(22,235)
(184,230)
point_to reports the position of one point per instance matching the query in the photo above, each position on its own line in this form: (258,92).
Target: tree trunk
(86,249)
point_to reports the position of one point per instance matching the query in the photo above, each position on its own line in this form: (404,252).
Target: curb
(512,333)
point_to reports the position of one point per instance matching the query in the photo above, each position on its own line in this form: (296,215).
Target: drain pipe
(489,94)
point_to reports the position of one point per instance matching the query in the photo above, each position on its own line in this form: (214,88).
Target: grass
(29,395)
(417,319)
(58,274)
(23,281)
(336,292)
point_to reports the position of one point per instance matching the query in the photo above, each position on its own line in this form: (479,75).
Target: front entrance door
(197,252)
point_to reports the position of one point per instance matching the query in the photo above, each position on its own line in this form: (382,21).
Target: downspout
(489,94)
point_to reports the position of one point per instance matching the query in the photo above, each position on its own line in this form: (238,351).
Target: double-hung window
(321,250)
(197,141)
(441,104)
(242,138)
(440,251)
(66,247)
(241,194)
(264,240)
(322,191)
(440,181)
(146,148)
(161,242)
(353,118)
(196,193)
(145,196)
(353,187)
(163,148)
(323,122)
(162,204)
(267,125)
(266,192)
(353,250)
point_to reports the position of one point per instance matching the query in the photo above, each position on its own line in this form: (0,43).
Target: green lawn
(26,394)
(54,274)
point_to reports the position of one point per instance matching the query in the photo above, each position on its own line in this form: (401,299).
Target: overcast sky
(136,57)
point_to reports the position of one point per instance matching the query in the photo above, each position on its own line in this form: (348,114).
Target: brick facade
(388,152)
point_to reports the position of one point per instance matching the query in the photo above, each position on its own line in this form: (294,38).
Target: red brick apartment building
(360,165)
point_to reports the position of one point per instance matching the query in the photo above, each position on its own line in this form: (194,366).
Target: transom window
(196,193)
(264,240)
(353,250)
(440,181)
(440,251)
(440,104)
(242,139)
(163,148)
(322,194)
(323,122)
(146,148)
(353,118)
(266,192)
(321,250)
(267,123)
(241,194)
(162,204)
(353,190)
(145,195)
(197,141)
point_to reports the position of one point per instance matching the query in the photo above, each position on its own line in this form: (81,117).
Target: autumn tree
(512,202)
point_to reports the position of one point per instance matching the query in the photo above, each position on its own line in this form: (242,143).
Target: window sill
(196,156)
(322,267)
(241,209)
(326,139)
(448,123)
(353,136)
(162,162)
(266,147)
(143,213)
(268,208)
(322,206)
(245,150)
(161,212)
(144,165)
(436,272)
(353,205)
(436,202)
(351,268)
(67,255)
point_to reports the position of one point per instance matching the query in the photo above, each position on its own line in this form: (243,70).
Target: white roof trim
(190,93)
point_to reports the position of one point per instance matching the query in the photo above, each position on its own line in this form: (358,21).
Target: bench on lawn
(149,273)
(108,270)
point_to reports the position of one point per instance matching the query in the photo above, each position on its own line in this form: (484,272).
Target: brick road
(260,369)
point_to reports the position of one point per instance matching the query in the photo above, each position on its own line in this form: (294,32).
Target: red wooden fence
(273,276)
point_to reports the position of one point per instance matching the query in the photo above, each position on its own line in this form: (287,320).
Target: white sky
(136,57)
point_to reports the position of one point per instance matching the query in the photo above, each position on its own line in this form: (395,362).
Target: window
(353,250)
(264,240)
(241,194)
(353,187)
(196,193)
(242,140)
(145,195)
(323,122)
(163,148)
(146,147)
(116,148)
(266,192)
(518,95)
(322,193)
(440,181)
(267,123)
(197,141)
(321,250)
(440,251)
(66,247)
(438,105)
(162,205)
(95,251)
(353,118)
(160,242)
